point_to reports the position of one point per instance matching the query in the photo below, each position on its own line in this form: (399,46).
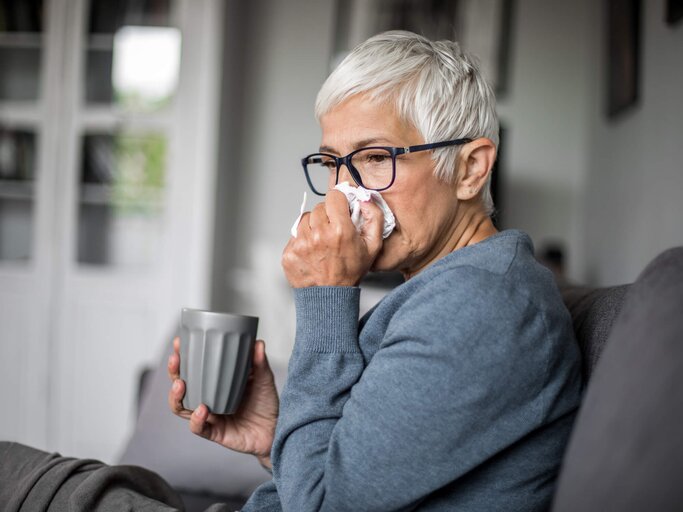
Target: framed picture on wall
(623,55)
(674,11)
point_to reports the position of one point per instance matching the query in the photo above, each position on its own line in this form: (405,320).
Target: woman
(458,390)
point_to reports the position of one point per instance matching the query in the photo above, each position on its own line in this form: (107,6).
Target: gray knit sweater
(456,392)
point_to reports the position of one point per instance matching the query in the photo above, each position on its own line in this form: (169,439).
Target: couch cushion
(593,312)
(626,449)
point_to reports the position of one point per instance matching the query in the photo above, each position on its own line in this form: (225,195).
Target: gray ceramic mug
(216,350)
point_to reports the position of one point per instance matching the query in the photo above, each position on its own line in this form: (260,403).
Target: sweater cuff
(327,318)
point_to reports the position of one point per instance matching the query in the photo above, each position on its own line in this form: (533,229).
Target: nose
(345,175)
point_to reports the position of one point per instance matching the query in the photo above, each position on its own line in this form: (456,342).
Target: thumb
(373,225)
(261,365)
(199,424)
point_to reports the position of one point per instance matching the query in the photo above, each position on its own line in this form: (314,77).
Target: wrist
(265,462)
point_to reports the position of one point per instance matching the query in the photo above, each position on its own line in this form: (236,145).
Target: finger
(256,360)
(371,232)
(260,359)
(337,208)
(287,257)
(198,422)
(257,356)
(175,399)
(262,371)
(173,367)
(304,228)
(318,218)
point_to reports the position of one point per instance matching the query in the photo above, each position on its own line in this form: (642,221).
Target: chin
(386,261)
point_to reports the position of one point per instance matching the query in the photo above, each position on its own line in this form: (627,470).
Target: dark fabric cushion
(626,449)
(593,312)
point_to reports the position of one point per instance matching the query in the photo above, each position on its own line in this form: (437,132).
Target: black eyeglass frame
(394,151)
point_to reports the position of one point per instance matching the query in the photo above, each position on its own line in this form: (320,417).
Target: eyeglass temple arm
(435,145)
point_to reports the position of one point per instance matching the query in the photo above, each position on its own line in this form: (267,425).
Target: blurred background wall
(604,188)
(634,166)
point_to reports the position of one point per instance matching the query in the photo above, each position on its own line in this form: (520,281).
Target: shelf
(21,40)
(98,117)
(101,42)
(103,194)
(16,189)
(20,114)
(96,194)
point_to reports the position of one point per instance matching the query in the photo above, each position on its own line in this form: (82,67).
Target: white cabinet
(108,126)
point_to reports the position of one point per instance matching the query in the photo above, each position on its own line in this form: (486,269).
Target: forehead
(362,118)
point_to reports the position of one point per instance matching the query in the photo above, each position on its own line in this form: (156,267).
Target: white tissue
(355,195)
(298,219)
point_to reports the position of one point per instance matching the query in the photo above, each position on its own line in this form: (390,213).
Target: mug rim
(219,313)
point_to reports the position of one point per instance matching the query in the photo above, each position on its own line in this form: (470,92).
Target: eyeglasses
(373,167)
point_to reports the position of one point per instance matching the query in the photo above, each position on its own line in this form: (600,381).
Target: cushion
(593,312)
(626,449)
(163,443)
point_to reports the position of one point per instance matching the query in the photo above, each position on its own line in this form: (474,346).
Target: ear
(475,163)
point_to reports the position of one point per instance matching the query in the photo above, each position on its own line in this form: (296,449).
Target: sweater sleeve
(448,388)
(326,363)
(263,499)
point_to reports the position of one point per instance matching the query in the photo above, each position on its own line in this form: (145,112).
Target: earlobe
(477,160)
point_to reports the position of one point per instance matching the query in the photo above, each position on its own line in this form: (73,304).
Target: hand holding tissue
(326,249)
(355,195)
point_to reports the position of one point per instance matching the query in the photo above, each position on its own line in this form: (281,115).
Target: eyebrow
(357,145)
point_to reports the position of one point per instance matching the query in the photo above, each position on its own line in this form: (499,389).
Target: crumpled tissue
(355,195)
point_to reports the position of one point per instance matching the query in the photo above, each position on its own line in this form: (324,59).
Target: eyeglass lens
(374,165)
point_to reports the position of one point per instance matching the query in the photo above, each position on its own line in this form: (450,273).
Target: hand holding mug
(252,427)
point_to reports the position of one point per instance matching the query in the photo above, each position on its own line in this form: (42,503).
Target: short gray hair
(435,86)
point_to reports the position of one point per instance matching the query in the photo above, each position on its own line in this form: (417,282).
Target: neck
(471,225)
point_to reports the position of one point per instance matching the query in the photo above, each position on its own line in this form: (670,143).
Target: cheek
(409,232)
(420,222)
(411,212)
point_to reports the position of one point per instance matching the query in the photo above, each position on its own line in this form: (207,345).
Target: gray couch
(626,450)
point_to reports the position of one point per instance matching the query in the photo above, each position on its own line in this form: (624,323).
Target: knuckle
(196,424)
(288,258)
(334,194)
(318,238)
(340,232)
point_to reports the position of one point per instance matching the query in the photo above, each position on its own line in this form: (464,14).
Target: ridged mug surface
(215,358)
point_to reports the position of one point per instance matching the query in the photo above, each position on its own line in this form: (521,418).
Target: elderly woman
(459,389)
